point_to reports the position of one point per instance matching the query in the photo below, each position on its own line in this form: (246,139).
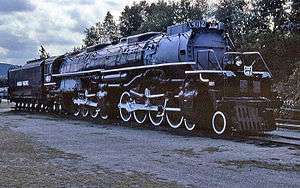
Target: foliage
(103,32)
(43,53)
(132,18)
(144,17)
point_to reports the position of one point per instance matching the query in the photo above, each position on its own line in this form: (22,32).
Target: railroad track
(281,137)
(293,121)
(288,124)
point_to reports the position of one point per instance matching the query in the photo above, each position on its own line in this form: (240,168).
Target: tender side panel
(26,82)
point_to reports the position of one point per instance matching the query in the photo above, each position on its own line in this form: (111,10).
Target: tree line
(269,26)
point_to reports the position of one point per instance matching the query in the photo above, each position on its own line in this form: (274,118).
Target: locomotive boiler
(188,76)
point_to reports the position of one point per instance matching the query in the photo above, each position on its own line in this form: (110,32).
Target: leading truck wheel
(124,102)
(94,113)
(104,114)
(189,124)
(219,123)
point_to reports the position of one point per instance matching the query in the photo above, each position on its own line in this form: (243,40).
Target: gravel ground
(44,150)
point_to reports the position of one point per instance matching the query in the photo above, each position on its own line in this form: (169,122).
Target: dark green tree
(188,10)
(110,28)
(157,17)
(91,36)
(43,53)
(233,13)
(103,32)
(268,16)
(160,15)
(132,18)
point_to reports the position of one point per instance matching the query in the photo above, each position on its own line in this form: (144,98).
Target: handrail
(249,53)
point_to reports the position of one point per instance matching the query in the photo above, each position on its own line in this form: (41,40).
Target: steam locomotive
(189,76)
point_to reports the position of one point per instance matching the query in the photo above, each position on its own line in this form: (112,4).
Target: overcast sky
(57,24)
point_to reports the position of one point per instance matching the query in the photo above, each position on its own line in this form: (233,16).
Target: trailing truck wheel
(46,109)
(60,109)
(124,100)
(94,113)
(36,105)
(84,112)
(17,106)
(76,112)
(189,125)
(219,123)
(42,108)
(53,108)
(103,114)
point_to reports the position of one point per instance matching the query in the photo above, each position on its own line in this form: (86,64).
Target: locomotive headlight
(48,79)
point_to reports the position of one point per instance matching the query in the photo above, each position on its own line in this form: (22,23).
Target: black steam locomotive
(188,76)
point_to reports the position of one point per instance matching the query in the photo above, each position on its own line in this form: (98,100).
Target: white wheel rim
(154,122)
(85,112)
(213,122)
(120,109)
(95,114)
(188,127)
(137,120)
(103,116)
(77,112)
(174,125)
